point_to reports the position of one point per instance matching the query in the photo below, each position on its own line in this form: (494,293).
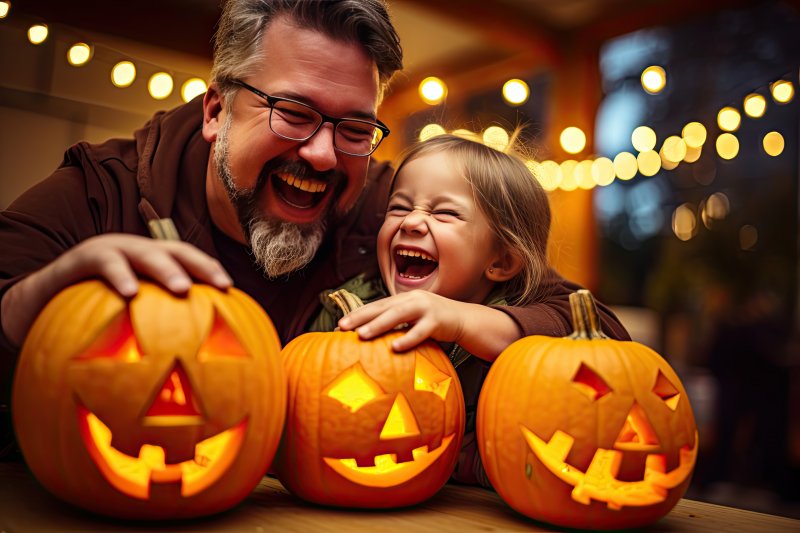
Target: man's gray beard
(278,247)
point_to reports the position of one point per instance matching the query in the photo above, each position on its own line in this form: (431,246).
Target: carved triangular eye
(221,342)
(589,383)
(429,378)
(353,388)
(117,341)
(665,390)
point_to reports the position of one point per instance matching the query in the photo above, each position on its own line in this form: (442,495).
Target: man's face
(259,177)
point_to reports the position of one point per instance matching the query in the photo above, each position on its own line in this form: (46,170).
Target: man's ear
(507,265)
(212,109)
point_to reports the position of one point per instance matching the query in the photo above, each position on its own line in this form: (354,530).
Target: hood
(162,145)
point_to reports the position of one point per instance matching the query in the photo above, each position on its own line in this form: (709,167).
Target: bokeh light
(654,79)
(79,54)
(694,134)
(193,87)
(37,34)
(603,171)
(782,91)
(649,163)
(773,143)
(4,8)
(496,137)
(568,181)
(160,85)
(643,139)
(684,222)
(727,146)
(729,119)
(573,140)
(516,92)
(549,175)
(755,105)
(123,74)
(432,90)
(674,149)
(429,131)
(625,165)
(748,237)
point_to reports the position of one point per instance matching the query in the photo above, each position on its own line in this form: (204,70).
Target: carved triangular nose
(637,430)
(175,397)
(401,421)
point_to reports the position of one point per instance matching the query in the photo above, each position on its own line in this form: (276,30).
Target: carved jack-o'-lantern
(586,431)
(161,407)
(367,427)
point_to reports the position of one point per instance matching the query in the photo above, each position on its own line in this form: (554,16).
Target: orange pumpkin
(586,431)
(367,427)
(157,407)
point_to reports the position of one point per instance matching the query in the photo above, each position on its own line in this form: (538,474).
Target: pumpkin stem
(163,229)
(585,318)
(346,300)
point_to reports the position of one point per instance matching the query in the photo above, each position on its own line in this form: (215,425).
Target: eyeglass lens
(298,122)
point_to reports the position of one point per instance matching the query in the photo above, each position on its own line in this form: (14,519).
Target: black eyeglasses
(297,121)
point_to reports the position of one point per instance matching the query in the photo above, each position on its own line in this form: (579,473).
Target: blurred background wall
(666,132)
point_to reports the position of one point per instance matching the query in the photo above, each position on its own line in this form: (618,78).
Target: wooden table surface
(26,506)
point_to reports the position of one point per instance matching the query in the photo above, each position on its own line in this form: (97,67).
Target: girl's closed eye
(446,214)
(397,209)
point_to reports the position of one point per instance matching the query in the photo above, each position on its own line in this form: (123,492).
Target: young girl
(462,254)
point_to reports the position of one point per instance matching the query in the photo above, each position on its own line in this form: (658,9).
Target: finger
(386,321)
(416,335)
(361,316)
(162,267)
(200,265)
(115,269)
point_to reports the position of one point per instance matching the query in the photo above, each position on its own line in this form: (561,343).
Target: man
(267,184)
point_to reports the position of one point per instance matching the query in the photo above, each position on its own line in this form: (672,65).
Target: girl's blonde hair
(511,199)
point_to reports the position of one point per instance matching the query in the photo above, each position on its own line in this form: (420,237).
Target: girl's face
(434,236)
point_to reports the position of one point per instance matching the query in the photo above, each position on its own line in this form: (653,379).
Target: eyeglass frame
(334,121)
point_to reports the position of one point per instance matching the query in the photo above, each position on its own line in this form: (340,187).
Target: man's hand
(481,330)
(120,260)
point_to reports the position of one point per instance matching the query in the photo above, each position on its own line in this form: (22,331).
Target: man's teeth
(415,253)
(303,185)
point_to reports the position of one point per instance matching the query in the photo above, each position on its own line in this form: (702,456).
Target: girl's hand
(481,330)
(428,315)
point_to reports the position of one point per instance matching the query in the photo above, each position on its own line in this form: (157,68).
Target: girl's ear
(212,108)
(504,267)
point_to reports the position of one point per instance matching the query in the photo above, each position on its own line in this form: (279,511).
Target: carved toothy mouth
(600,483)
(387,472)
(133,475)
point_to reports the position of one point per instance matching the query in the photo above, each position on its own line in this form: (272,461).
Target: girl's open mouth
(414,264)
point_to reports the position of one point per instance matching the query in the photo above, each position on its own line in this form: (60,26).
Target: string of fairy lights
(123,73)
(572,174)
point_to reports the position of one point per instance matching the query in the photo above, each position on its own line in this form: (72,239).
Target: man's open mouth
(298,192)
(414,264)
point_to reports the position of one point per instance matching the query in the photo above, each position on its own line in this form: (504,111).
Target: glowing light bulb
(79,54)
(123,74)
(160,85)
(430,131)
(573,140)
(782,91)
(432,90)
(729,119)
(755,105)
(496,137)
(37,33)
(773,143)
(654,79)
(516,92)
(193,87)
